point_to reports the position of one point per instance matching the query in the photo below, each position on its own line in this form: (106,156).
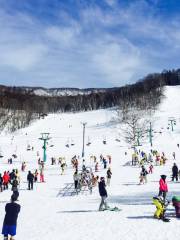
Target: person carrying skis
(103,194)
(175,172)
(30,179)
(163,188)
(12,210)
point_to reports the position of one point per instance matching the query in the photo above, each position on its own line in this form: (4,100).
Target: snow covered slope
(47,215)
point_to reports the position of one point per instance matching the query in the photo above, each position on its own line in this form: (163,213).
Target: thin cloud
(91,46)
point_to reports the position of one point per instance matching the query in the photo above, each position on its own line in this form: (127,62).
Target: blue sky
(87,43)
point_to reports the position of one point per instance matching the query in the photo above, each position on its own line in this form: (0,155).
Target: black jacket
(12,211)
(1,181)
(175,170)
(102,189)
(30,177)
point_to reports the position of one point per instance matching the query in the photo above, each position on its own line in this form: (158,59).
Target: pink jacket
(163,185)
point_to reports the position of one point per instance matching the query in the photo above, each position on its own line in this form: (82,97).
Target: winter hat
(163,176)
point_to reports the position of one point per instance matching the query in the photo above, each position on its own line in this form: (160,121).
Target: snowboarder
(30,179)
(160,208)
(175,172)
(163,188)
(103,194)
(12,210)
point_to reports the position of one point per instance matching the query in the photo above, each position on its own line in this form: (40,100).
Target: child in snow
(151,169)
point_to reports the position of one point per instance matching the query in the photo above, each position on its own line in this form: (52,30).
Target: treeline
(25,105)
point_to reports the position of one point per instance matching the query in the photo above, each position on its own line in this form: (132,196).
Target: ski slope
(47,215)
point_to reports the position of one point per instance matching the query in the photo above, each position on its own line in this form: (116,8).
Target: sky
(87,43)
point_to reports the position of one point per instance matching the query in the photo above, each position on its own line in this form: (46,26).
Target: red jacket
(5,178)
(163,185)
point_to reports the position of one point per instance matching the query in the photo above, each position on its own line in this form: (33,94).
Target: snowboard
(114,209)
(166,219)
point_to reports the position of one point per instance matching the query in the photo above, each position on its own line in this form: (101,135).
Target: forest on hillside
(19,106)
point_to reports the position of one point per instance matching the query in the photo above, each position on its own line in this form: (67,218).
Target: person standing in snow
(12,210)
(109,174)
(6,179)
(76,180)
(163,188)
(144,173)
(175,172)
(30,179)
(103,194)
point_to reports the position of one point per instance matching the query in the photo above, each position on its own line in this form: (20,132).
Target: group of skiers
(9,178)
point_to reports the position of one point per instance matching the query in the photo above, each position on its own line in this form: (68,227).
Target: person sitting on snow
(160,207)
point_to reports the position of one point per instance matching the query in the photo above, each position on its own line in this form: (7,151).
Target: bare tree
(133,126)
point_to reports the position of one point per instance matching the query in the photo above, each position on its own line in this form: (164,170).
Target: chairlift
(72,142)
(104,140)
(89,142)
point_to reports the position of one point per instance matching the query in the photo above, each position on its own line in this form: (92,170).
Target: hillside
(45,214)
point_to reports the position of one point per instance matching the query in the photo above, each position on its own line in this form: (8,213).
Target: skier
(103,194)
(12,210)
(109,174)
(175,172)
(30,179)
(163,188)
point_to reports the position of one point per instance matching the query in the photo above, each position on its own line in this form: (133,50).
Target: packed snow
(46,213)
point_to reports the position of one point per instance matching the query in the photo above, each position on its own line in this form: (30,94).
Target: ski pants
(108,181)
(175,176)
(162,193)
(159,208)
(30,185)
(103,203)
